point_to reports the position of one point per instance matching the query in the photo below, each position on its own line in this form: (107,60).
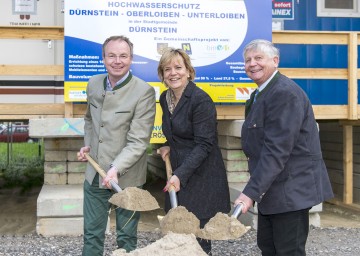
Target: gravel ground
(321,241)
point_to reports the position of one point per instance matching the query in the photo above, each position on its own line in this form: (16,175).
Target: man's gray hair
(262,45)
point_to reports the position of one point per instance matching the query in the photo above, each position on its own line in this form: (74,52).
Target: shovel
(224,227)
(131,198)
(171,190)
(178,219)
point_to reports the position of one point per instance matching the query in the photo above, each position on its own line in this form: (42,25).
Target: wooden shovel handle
(102,173)
(95,165)
(169,171)
(168,167)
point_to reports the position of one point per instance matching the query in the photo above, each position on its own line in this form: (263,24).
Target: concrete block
(55,178)
(55,167)
(63,143)
(76,167)
(238,176)
(229,142)
(56,127)
(72,226)
(71,155)
(156,160)
(55,156)
(157,171)
(75,178)
(233,154)
(236,166)
(230,127)
(60,201)
(314,219)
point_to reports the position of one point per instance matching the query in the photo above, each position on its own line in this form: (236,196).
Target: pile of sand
(134,199)
(170,245)
(180,220)
(222,227)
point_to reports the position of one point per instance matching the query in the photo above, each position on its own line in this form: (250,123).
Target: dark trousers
(96,212)
(205,244)
(283,234)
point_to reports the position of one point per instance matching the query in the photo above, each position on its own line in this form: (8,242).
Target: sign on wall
(283,9)
(213,33)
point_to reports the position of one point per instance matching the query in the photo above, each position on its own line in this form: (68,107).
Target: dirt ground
(18,212)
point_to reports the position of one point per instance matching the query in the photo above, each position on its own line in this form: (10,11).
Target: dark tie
(256,93)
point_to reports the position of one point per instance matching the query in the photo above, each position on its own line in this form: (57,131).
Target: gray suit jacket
(118,127)
(281,140)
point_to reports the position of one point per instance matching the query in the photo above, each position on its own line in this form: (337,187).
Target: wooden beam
(52,33)
(352,77)
(330,112)
(348,163)
(32,70)
(309,37)
(38,109)
(315,73)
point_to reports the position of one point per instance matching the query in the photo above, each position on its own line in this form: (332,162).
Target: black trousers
(205,244)
(283,234)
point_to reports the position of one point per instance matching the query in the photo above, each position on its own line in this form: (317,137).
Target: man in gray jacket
(118,123)
(281,140)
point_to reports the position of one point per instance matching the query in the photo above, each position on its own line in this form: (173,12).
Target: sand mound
(180,220)
(222,227)
(171,244)
(134,199)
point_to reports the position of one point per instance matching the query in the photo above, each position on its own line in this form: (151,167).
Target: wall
(48,89)
(331,136)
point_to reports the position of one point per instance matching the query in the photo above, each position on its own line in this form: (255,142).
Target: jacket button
(100,141)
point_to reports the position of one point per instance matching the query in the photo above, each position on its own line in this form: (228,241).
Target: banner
(213,33)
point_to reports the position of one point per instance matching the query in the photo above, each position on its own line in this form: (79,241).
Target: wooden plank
(230,112)
(53,33)
(309,37)
(330,111)
(39,109)
(315,73)
(348,164)
(352,78)
(69,112)
(32,70)
(351,206)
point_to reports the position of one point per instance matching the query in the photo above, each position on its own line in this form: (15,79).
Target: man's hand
(81,154)
(111,175)
(245,200)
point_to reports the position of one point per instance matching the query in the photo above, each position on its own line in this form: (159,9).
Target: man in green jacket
(118,123)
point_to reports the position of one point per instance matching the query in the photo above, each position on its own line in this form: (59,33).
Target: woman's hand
(172,182)
(163,151)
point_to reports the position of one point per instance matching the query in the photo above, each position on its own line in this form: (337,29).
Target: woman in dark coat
(190,127)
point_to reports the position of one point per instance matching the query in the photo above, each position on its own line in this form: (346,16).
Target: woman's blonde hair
(168,55)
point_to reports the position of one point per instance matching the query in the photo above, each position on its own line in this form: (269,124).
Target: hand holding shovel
(131,198)
(171,189)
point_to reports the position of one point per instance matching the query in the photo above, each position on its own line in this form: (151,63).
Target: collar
(262,86)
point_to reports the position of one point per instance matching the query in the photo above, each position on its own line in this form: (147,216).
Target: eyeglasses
(114,56)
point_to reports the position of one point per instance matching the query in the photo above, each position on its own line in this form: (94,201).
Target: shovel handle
(168,171)
(102,173)
(237,211)
(168,167)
